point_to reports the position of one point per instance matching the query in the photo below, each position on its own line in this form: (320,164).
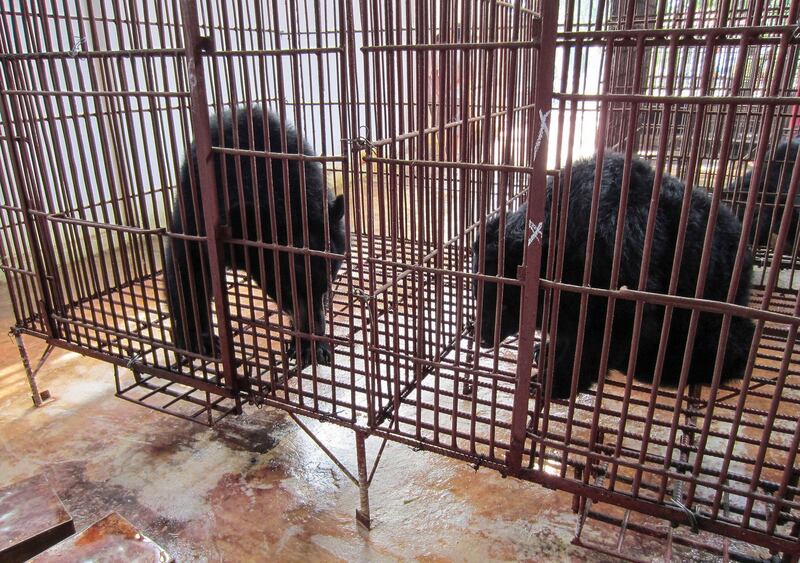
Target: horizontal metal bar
(279,52)
(278,155)
(454,46)
(698,100)
(197,383)
(62,218)
(695,32)
(450,164)
(98,93)
(154,52)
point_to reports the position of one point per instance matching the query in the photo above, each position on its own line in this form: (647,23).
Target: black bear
(672,192)
(262,184)
(774,189)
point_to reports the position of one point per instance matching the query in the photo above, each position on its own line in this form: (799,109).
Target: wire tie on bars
(362,142)
(77,46)
(422,440)
(132,361)
(689,514)
(478,463)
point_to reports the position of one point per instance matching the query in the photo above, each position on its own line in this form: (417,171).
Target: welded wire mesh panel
(15,253)
(447,100)
(97,94)
(699,424)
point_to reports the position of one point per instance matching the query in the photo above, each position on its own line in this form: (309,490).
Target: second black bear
(672,192)
(262,184)
(773,190)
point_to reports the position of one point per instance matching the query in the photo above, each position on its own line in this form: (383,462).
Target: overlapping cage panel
(707,94)
(416,114)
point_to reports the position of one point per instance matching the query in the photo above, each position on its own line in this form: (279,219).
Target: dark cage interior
(445,223)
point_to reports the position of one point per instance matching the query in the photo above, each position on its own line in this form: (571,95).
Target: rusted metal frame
(701,100)
(439,195)
(362,514)
(658,534)
(665,408)
(680,466)
(273,368)
(22,302)
(391,183)
(480,166)
(676,470)
(117,174)
(484,420)
(486,23)
(508,76)
(644,271)
(633,34)
(47,248)
(450,124)
(341,56)
(659,510)
(207,406)
(480,441)
(790,473)
(153,179)
(776,400)
(363,188)
(589,255)
(84,276)
(530,273)
(426,367)
(461,47)
(675,270)
(363,480)
(300,132)
(559,226)
(96,54)
(726,139)
(615,266)
(38,397)
(196,46)
(42,276)
(465,98)
(201,384)
(418,200)
(748,217)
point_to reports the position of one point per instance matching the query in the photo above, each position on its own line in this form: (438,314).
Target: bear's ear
(336,211)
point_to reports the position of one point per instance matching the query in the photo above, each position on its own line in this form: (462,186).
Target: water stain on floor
(256,487)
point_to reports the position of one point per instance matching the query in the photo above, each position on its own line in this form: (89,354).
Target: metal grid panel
(699,89)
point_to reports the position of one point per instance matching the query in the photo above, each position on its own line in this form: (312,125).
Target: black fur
(778,174)
(726,238)
(190,315)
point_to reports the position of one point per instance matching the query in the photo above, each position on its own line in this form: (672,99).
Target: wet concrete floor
(256,487)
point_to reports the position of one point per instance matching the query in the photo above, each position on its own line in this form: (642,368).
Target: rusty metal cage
(431,119)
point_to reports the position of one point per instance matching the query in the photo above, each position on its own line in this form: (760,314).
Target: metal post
(544,95)
(39,397)
(196,45)
(362,513)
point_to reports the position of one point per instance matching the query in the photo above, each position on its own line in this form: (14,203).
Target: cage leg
(39,397)
(362,513)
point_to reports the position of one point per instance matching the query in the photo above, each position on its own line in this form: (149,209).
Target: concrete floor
(256,487)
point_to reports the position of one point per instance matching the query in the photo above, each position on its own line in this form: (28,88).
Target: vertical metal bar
(33,238)
(215,232)
(38,397)
(545,67)
(362,513)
